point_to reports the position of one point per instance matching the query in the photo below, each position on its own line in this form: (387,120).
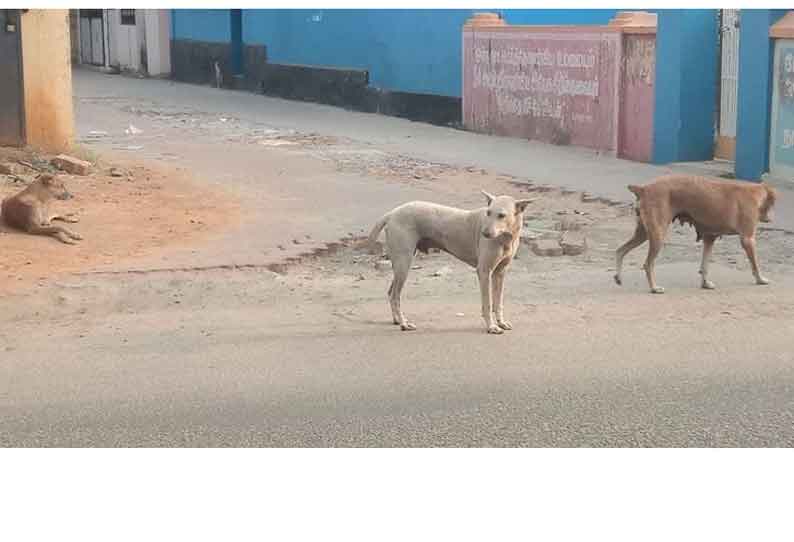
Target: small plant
(84,153)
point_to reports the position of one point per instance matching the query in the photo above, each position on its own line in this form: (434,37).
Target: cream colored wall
(47,74)
(158,41)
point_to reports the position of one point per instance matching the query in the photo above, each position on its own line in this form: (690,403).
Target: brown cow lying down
(714,207)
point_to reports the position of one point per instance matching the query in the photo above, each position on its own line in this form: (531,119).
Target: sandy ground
(144,210)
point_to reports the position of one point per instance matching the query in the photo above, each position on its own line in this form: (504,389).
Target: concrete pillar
(686,85)
(47,76)
(755,92)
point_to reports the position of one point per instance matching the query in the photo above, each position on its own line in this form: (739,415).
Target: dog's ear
(769,199)
(488,196)
(521,204)
(771,195)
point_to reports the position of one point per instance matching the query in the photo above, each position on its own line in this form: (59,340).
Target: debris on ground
(72,165)
(569,224)
(383,265)
(546,247)
(443,272)
(9,169)
(573,244)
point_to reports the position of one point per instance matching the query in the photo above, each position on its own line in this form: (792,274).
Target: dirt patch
(133,211)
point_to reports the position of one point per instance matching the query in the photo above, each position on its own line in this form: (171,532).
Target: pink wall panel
(554,84)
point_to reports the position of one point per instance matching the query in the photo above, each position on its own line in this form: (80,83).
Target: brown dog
(714,207)
(29,209)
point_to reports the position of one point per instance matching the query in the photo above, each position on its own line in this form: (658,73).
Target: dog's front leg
(486,276)
(498,297)
(69,218)
(748,243)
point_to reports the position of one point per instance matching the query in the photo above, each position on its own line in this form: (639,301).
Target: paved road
(224,358)
(257,360)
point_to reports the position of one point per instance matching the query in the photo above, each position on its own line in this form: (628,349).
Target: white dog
(486,239)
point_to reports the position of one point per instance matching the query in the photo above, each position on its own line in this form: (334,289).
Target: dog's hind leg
(401,265)
(656,222)
(708,245)
(655,244)
(401,248)
(640,236)
(748,244)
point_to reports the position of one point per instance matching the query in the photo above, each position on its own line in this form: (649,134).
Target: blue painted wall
(755,92)
(420,51)
(404,50)
(558,16)
(201,24)
(686,85)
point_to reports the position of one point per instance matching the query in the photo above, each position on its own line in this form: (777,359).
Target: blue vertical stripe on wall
(699,84)
(686,85)
(755,92)
(236,37)
(667,94)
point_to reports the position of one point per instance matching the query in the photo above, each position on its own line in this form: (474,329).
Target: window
(128,17)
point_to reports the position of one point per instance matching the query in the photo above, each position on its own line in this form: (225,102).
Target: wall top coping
(784,28)
(625,22)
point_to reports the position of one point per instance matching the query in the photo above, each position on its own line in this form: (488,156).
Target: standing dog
(714,207)
(486,239)
(29,209)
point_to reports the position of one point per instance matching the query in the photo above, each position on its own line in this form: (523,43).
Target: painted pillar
(158,41)
(236,32)
(686,85)
(47,75)
(755,92)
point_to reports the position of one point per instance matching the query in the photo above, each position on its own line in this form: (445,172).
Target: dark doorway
(92,37)
(12,126)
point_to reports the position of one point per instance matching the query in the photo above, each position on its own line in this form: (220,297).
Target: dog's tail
(376,229)
(636,190)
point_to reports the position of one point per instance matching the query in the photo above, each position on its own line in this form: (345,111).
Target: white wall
(146,46)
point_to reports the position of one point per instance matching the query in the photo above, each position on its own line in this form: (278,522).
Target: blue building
(408,63)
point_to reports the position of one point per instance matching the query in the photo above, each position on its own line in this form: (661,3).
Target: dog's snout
(486,234)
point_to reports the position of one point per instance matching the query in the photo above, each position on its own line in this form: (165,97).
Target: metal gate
(12,125)
(729,84)
(92,37)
